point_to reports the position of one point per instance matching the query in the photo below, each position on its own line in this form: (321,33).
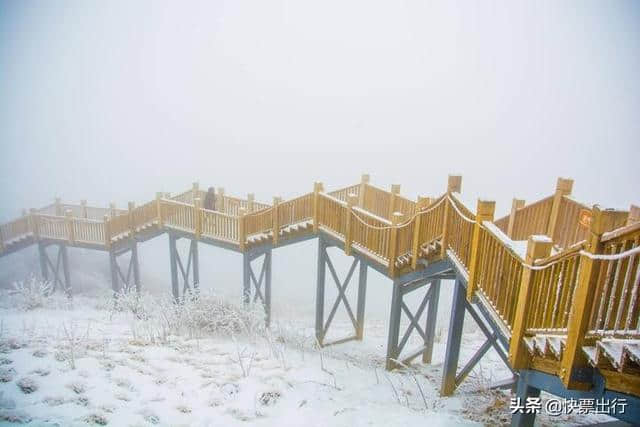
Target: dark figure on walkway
(210,199)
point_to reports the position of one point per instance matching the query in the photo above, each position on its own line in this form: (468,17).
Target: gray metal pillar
(65,270)
(246,279)
(524,391)
(114,272)
(320,286)
(453,340)
(267,287)
(42,250)
(432,317)
(195,264)
(173,254)
(394,326)
(362,294)
(136,266)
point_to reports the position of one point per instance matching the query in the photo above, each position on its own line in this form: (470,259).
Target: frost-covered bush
(32,293)
(27,385)
(155,319)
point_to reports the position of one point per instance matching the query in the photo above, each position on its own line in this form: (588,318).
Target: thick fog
(113,101)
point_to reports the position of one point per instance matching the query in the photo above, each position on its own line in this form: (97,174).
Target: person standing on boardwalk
(210,199)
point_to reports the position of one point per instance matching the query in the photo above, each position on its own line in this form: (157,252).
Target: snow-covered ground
(86,363)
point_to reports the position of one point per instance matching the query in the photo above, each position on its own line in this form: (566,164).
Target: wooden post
(352,200)
(112,209)
(454,185)
(634,215)
(195,190)
(69,221)
(34,223)
(395,190)
(107,231)
(484,212)
(317,189)
(515,205)
(83,208)
(276,221)
(132,226)
(242,229)
(537,247)
(583,298)
(159,207)
(220,200)
(197,216)
(396,219)
(363,189)
(58,207)
(250,201)
(563,188)
(423,202)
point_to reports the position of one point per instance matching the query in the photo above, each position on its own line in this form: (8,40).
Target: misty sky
(118,100)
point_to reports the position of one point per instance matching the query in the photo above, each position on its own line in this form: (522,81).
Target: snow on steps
(288,232)
(548,346)
(620,355)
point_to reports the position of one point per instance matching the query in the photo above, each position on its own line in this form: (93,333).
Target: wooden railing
(177,214)
(532,219)
(616,309)
(259,222)
(295,210)
(371,233)
(460,223)
(569,228)
(53,227)
(15,229)
(342,193)
(88,231)
(498,272)
(145,214)
(332,214)
(431,222)
(219,225)
(376,201)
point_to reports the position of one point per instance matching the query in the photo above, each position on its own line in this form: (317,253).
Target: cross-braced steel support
(322,328)
(190,273)
(264,278)
(451,379)
(58,272)
(395,345)
(119,280)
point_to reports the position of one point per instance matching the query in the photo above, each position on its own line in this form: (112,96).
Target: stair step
(591,353)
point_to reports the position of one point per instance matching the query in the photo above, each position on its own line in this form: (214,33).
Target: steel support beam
(57,272)
(189,276)
(261,282)
(121,281)
(395,344)
(322,326)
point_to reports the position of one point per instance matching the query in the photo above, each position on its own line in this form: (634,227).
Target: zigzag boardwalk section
(554,286)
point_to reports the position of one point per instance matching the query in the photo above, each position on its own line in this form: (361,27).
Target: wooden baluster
(395,190)
(352,200)
(396,219)
(250,202)
(83,209)
(363,189)
(454,185)
(317,189)
(242,228)
(132,226)
(484,212)
(563,188)
(276,221)
(422,203)
(634,214)
(583,299)
(159,208)
(515,205)
(220,200)
(197,216)
(537,247)
(69,222)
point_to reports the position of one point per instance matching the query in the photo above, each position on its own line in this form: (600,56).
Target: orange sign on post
(585,218)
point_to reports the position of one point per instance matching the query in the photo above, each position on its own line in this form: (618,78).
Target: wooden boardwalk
(556,282)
